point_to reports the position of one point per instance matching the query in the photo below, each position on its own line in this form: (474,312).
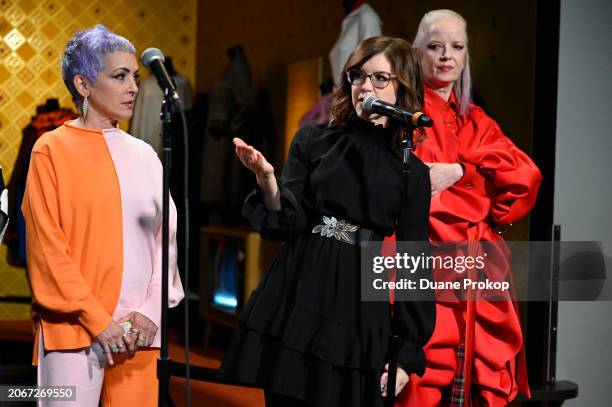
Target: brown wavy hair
(404,65)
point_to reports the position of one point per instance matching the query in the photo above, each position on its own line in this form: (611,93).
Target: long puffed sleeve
(512,178)
(292,218)
(57,282)
(151,308)
(499,184)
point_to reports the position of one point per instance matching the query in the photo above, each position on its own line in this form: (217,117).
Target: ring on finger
(127,326)
(114,348)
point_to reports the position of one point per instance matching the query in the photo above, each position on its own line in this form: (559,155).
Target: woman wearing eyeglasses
(305,335)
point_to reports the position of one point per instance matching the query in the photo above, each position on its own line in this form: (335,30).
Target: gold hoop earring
(84,108)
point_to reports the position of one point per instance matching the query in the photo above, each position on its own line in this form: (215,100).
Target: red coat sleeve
(511,177)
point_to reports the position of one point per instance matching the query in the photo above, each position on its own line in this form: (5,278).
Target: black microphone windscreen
(368,104)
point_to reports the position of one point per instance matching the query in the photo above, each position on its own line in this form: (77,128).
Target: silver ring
(142,341)
(126,325)
(114,348)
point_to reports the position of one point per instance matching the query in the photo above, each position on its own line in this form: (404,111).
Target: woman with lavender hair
(93,221)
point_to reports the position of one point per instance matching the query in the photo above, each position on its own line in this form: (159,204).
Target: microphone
(372,104)
(153,59)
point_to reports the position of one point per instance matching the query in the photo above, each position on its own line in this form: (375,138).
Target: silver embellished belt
(345,231)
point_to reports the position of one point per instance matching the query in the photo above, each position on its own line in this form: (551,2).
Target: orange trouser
(131,380)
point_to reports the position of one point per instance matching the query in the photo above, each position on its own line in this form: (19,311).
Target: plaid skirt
(456,396)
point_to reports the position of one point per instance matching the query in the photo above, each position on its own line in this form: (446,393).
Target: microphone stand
(395,340)
(166,367)
(163,363)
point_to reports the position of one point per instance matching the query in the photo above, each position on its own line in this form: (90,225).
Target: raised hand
(252,159)
(263,170)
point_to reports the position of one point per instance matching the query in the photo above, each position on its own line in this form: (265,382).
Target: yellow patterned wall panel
(33,35)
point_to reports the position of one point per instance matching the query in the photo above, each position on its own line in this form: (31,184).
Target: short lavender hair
(83,56)
(463,85)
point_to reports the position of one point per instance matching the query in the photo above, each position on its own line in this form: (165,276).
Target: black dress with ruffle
(304,332)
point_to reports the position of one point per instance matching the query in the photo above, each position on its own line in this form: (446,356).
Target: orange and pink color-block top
(93,209)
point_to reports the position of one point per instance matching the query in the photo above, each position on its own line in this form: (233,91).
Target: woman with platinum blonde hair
(480,181)
(93,221)
(462,86)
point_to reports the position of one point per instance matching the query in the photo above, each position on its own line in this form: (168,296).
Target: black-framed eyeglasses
(379,80)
